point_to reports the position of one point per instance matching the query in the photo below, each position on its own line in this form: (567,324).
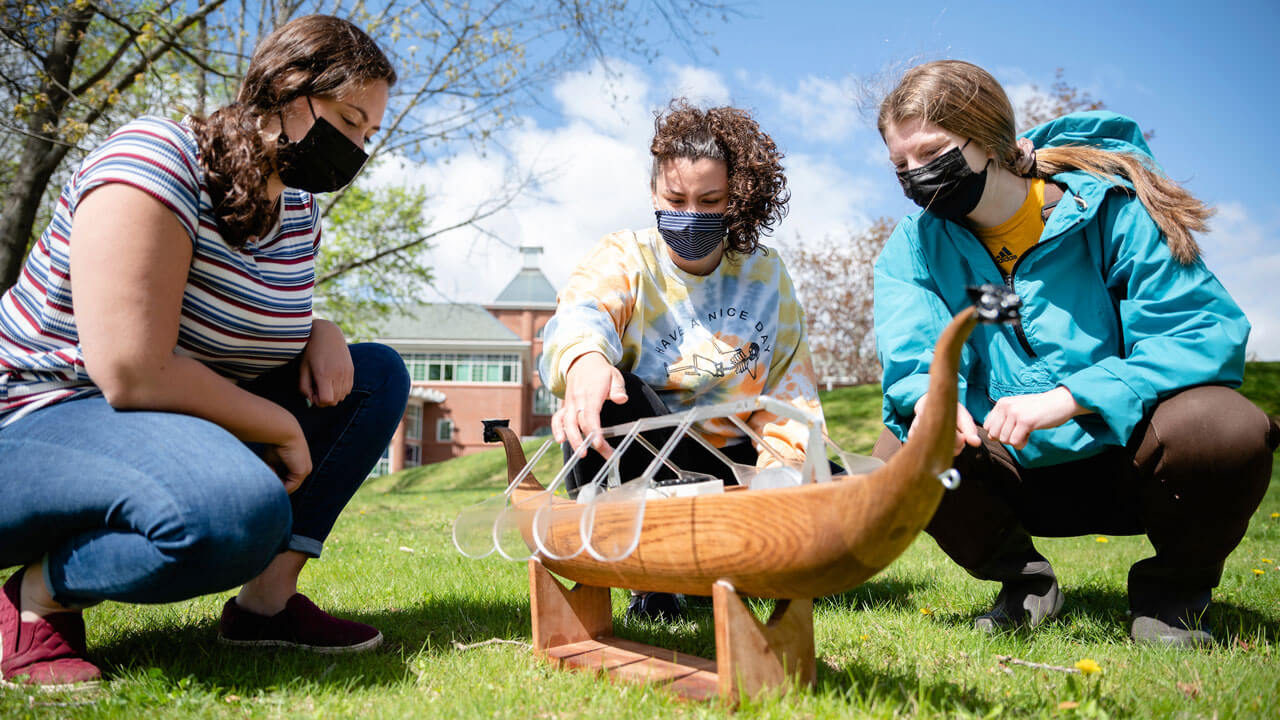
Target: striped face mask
(691,235)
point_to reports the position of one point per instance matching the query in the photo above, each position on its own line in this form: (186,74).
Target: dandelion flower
(1256,571)
(926,611)
(1102,539)
(1275,515)
(1266,561)
(1088,667)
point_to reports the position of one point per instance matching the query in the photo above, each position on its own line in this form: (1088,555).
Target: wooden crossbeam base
(622,660)
(573,629)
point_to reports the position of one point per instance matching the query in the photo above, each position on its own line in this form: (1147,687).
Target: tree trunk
(42,152)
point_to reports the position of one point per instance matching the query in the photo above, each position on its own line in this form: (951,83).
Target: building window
(471,368)
(444,430)
(412,455)
(413,423)
(383,466)
(544,402)
(416,364)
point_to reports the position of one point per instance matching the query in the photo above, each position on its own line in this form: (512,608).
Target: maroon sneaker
(48,653)
(301,624)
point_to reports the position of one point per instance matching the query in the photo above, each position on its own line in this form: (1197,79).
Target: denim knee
(232,530)
(379,370)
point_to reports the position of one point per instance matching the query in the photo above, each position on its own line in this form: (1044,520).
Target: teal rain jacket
(1107,311)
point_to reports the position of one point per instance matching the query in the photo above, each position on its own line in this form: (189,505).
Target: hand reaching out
(590,381)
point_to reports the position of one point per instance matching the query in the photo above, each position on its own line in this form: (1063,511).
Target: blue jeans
(153,507)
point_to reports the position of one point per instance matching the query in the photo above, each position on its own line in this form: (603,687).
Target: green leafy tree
(367,267)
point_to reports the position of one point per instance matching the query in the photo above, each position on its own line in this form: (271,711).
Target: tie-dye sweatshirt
(696,340)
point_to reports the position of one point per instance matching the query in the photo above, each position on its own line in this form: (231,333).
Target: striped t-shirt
(244,311)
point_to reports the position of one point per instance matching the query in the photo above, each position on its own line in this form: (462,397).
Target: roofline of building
(520,306)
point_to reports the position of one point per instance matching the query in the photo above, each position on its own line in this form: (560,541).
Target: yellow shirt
(1010,239)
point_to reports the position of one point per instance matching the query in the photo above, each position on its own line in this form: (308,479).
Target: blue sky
(1202,76)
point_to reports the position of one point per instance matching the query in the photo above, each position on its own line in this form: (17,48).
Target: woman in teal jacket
(1105,408)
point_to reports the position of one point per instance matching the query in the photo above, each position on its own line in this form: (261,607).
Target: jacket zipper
(1017,326)
(1008,281)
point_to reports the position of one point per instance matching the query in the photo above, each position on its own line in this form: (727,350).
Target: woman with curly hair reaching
(173,420)
(692,311)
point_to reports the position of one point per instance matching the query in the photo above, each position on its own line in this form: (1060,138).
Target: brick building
(469,362)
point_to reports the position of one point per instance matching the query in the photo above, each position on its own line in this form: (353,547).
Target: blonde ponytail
(1174,210)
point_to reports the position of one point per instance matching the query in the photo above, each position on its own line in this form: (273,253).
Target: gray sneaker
(1026,603)
(1151,630)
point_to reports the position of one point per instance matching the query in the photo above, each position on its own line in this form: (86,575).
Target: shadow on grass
(192,651)
(893,593)
(895,685)
(1229,622)
(189,656)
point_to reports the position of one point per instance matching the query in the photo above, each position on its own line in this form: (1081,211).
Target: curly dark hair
(757,188)
(308,56)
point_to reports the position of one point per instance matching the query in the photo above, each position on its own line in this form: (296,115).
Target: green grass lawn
(900,645)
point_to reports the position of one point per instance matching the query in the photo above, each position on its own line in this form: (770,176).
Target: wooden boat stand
(791,543)
(574,629)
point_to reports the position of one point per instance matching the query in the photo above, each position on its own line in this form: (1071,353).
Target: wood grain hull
(808,541)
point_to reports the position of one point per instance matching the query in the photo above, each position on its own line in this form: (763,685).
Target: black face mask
(946,186)
(324,160)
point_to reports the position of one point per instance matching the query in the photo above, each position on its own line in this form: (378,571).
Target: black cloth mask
(324,160)
(946,186)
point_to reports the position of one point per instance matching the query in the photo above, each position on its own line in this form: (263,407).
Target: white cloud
(824,110)
(592,172)
(1242,251)
(699,85)
(610,98)
(591,179)
(825,200)
(1020,95)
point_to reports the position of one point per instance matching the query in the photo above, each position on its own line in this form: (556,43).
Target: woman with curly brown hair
(693,311)
(173,420)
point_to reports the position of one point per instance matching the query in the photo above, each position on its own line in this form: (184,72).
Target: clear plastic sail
(535,523)
(612,520)
(779,475)
(608,518)
(473,528)
(854,464)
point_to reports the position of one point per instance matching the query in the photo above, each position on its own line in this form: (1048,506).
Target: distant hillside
(853,420)
(1262,385)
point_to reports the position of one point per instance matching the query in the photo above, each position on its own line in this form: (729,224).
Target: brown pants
(1189,479)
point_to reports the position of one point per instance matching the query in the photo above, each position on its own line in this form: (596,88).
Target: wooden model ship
(791,543)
